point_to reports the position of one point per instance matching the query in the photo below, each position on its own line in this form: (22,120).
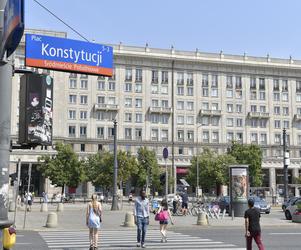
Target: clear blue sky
(257,27)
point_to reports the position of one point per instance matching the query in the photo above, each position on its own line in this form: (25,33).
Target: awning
(182,170)
(184,182)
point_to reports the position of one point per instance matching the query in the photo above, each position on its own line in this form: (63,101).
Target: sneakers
(143,245)
(138,244)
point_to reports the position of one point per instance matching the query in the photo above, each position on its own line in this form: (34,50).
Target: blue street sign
(165,153)
(13,26)
(56,53)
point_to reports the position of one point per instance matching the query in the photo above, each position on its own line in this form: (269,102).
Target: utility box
(36,109)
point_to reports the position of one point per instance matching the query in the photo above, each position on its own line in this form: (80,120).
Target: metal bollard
(51,220)
(44,207)
(11,206)
(60,207)
(129,220)
(232,213)
(202,219)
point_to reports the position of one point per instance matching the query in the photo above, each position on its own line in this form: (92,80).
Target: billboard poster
(56,53)
(36,123)
(239,184)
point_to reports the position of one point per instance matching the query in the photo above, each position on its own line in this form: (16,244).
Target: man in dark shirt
(184,202)
(252,217)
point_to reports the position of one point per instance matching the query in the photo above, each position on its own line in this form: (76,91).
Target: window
(155,118)
(254,138)
(138,75)
(299,139)
(101,85)
(230,136)
(72,114)
(253,95)
(214,81)
(180,90)
(238,82)
(180,105)
(205,81)
(128,102)
(110,132)
(72,99)
(262,123)
(83,131)
(138,134)
(205,136)
(253,123)
(138,88)
(205,106)
(128,133)
(180,119)
(215,137)
(190,105)
(262,109)
(84,84)
(128,74)
(277,138)
(111,100)
(253,108)
(71,131)
(155,76)
(164,119)
(276,110)
(205,92)
(72,83)
(128,87)
(298,86)
(276,84)
(298,97)
(263,138)
(214,92)
(261,84)
(164,77)
(262,95)
(239,137)
(229,93)
(190,91)
(238,94)
(155,103)
(138,103)
(83,99)
(276,96)
(214,106)
(112,86)
(239,122)
(190,120)
(82,147)
(285,97)
(189,79)
(230,108)
(154,134)
(100,116)
(190,151)
(238,108)
(164,104)
(180,135)
(180,78)
(229,122)
(229,82)
(284,85)
(128,117)
(139,118)
(215,121)
(299,111)
(253,83)
(100,132)
(181,150)
(286,124)
(164,135)
(164,89)
(190,135)
(285,111)
(83,115)
(205,120)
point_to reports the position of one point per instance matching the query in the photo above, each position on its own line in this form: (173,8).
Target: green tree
(148,166)
(63,168)
(213,169)
(250,155)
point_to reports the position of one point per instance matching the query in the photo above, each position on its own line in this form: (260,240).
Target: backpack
(94,219)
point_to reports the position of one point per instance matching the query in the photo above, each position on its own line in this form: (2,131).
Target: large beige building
(189,100)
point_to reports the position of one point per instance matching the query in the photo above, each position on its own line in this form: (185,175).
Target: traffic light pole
(115,198)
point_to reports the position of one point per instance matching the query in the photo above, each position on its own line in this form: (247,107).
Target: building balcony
(106,107)
(297,117)
(259,115)
(160,110)
(210,112)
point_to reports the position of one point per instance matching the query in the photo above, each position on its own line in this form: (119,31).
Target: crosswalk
(125,239)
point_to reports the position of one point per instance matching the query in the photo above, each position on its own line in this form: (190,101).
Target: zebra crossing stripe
(113,240)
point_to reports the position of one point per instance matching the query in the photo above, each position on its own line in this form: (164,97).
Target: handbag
(161,216)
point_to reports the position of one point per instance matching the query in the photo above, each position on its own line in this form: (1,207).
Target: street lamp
(115,198)
(197,161)
(286,162)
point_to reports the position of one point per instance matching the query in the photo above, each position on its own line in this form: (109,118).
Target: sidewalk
(73,218)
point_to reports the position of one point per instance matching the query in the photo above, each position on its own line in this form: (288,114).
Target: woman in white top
(93,220)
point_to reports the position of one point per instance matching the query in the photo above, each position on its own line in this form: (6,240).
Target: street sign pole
(165,156)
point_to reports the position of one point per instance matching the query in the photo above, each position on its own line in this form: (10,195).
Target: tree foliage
(213,169)
(64,168)
(250,155)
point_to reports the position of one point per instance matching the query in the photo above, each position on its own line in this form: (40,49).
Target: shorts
(185,205)
(29,202)
(164,222)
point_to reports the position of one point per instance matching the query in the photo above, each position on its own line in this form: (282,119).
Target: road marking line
(284,233)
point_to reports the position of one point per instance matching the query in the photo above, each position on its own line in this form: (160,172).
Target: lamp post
(115,198)
(197,162)
(286,162)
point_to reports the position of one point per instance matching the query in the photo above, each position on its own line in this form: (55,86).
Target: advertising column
(239,189)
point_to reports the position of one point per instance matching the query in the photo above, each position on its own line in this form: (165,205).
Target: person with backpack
(163,215)
(93,220)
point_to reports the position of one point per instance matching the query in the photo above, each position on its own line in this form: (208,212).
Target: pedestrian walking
(141,215)
(29,201)
(184,202)
(93,220)
(164,215)
(252,226)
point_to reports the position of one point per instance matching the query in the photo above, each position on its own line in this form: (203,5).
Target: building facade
(185,101)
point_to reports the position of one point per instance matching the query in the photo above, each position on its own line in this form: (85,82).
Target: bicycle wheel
(194,211)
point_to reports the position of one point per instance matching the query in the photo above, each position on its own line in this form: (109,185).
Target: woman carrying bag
(163,215)
(93,220)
